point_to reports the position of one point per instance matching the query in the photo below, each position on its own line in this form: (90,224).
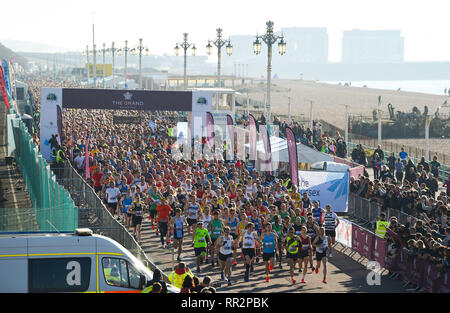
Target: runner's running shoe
(324,280)
(293,281)
(303,281)
(317,270)
(222,276)
(267,279)
(229,282)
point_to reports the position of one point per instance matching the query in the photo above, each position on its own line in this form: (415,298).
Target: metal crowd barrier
(367,211)
(93,214)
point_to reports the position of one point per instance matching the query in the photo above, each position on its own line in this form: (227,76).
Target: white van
(79,262)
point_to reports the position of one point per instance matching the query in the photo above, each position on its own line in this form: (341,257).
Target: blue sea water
(435,87)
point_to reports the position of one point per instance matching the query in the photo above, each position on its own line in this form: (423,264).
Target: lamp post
(269,38)
(119,52)
(112,51)
(219,43)
(185,45)
(103,74)
(87,62)
(379,120)
(140,48)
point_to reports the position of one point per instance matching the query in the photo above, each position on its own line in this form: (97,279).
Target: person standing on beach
(403,156)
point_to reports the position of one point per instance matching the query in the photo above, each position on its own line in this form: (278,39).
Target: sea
(435,87)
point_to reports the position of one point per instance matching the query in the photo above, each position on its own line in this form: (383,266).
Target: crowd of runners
(230,214)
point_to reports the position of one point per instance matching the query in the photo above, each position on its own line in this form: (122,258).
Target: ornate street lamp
(185,45)
(269,38)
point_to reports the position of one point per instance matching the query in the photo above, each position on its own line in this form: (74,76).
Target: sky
(425,25)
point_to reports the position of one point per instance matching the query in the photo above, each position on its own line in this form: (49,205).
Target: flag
(6,77)
(292,151)
(152,126)
(71,135)
(268,151)
(253,124)
(210,130)
(13,79)
(86,158)
(3,88)
(230,126)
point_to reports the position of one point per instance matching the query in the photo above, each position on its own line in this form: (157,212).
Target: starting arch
(54,100)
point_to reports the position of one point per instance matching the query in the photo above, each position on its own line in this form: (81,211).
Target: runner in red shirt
(163,219)
(97,177)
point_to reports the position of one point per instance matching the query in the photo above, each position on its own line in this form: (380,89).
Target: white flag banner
(344,232)
(326,187)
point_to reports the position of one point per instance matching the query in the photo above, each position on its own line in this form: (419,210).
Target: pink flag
(3,88)
(210,130)
(230,126)
(268,150)
(252,136)
(292,151)
(86,158)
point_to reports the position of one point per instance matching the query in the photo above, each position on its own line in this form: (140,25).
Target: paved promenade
(345,273)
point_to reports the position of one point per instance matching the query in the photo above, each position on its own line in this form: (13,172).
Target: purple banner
(356,243)
(293,159)
(379,250)
(430,277)
(252,136)
(444,283)
(415,270)
(210,130)
(230,126)
(86,159)
(391,262)
(402,264)
(367,243)
(74,98)
(267,148)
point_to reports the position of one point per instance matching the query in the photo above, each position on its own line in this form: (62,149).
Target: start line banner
(326,187)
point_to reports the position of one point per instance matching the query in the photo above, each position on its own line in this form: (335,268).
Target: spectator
(391,163)
(399,170)
(156,288)
(424,164)
(380,153)
(376,165)
(385,174)
(188,284)
(447,185)
(157,279)
(403,156)
(435,166)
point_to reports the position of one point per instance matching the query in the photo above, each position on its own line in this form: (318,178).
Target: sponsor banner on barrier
(367,243)
(344,232)
(430,276)
(444,286)
(355,239)
(402,264)
(415,270)
(379,250)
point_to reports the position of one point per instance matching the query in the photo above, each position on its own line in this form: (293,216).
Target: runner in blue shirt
(269,242)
